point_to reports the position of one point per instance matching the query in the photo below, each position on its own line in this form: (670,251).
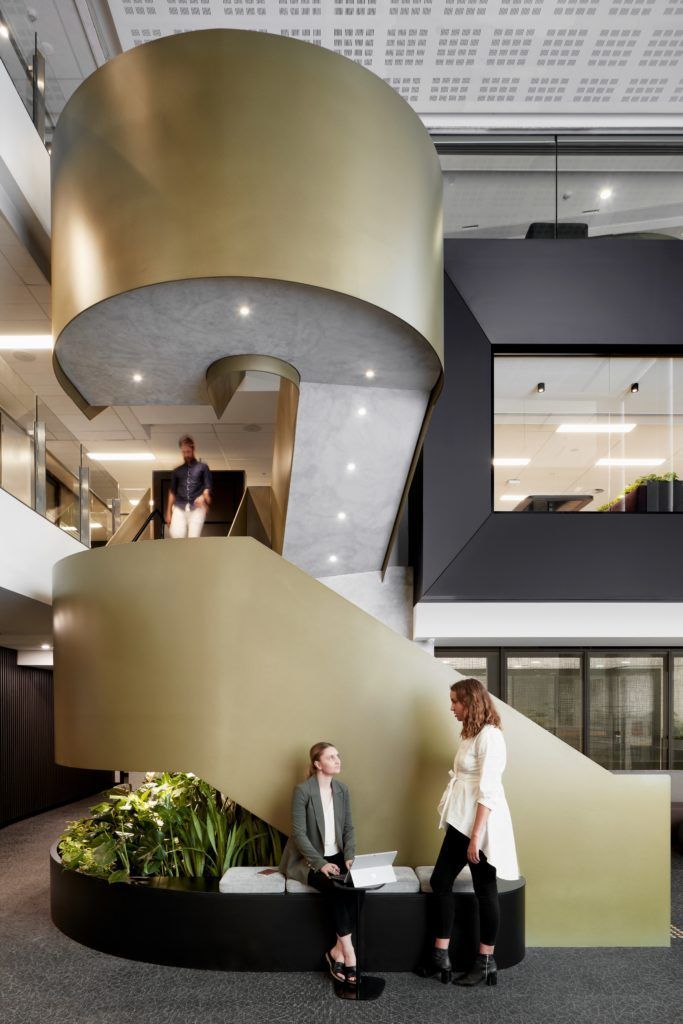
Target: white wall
(29,548)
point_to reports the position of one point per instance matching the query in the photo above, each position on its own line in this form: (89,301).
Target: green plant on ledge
(174,825)
(650,478)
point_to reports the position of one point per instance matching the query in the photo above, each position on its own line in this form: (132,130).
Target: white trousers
(186,522)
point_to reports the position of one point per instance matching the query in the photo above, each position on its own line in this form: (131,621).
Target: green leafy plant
(650,478)
(174,825)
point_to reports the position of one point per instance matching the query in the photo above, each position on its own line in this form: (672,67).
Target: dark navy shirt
(189,481)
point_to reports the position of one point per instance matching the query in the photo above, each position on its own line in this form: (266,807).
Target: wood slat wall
(30,781)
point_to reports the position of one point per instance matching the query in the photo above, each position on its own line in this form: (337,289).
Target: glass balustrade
(46,467)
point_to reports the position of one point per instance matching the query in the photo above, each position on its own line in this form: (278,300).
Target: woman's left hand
(473,850)
(348,864)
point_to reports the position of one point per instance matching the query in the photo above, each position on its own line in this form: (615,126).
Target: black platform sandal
(483,969)
(336,968)
(351,972)
(437,962)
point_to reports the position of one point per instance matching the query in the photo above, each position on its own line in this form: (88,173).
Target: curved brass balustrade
(236,672)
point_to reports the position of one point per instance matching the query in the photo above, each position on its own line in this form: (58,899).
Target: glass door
(627,726)
(547,688)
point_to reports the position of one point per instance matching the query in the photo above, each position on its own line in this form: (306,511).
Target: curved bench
(190,923)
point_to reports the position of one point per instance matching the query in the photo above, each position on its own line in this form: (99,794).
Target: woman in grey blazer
(322,845)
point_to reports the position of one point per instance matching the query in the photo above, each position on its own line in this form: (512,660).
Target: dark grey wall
(30,781)
(531,289)
(618,293)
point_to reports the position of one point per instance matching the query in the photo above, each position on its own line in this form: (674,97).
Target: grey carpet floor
(46,978)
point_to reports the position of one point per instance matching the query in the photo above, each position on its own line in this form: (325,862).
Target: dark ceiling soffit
(602,295)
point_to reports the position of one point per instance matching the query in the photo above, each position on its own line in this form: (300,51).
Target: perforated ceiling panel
(467,56)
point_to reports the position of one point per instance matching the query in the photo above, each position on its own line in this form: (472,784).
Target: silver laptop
(373,869)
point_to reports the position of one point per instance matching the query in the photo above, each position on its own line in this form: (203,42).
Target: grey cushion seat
(406,881)
(463,882)
(252,880)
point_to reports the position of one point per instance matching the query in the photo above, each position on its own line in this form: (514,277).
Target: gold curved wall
(236,672)
(242,154)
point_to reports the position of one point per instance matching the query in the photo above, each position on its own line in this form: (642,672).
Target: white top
(330,838)
(477,779)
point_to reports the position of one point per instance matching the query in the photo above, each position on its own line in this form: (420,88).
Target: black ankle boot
(437,962)
(483,969)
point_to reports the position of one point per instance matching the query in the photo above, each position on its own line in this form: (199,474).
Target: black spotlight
(540,387)
(635,388)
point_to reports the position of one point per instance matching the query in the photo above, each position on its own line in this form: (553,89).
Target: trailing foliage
(650,478)
(174,824)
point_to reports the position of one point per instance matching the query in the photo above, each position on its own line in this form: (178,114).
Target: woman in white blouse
(475,814)
(322,845)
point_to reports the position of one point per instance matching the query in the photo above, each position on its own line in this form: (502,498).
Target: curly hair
(479,709)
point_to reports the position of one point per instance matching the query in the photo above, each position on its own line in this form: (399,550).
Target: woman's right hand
(329,870)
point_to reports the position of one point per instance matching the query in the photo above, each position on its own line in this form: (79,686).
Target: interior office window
(588,434)
(547,689)
(677,682)
(483,666)
(626,711)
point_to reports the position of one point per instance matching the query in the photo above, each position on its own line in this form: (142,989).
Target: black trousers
(450,862)
(341,901)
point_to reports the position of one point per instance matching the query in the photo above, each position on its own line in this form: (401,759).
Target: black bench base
(187,923)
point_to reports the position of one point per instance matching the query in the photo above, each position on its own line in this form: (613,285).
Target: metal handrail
(154,514)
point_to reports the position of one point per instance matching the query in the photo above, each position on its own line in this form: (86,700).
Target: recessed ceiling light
(362,411)
(18,341)
(595,428)
(540,387)
(96,526)
(69,529)
(511,462)
(513,481)
(45,647)
(244,310)
(4,31)
(605,193)
(137,377)
(351,466)
(133,502)
(121,456)
(630,462)
(370,374)
(635,388)
(333,558)
(341,515)
(512,497)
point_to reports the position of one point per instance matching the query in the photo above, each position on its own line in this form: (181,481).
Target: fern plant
(175,824)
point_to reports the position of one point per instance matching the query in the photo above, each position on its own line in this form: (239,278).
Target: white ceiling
(476,62)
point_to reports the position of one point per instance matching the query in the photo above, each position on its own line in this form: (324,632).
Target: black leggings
(341,901)
(450,862)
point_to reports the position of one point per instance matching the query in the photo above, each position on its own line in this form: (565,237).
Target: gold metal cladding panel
(241,154)
(236,672)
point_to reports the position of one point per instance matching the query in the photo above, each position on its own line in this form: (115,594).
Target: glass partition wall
(588,434)
(562,186)
(621,707)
